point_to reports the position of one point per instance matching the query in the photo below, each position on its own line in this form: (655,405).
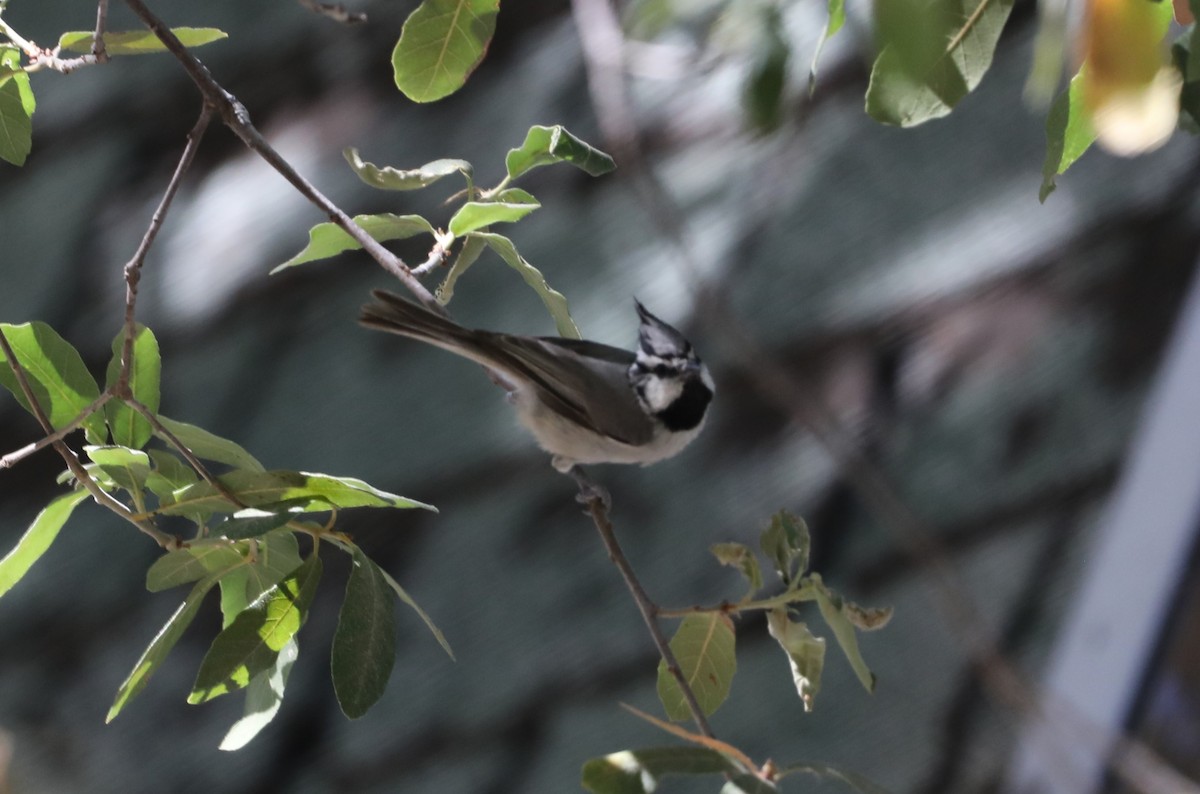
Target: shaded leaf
(806,653)
(509,206)
(364,645)
(160,646)
(786,543)
(762,96)
(638,771)
(329,239)
(1069,133)
(388,178)
(209,446)
(740,556)
(832,610)
(555,301)
(931,55)
(252,642)
(138,42)
(57,377)
(199,559)
(549,145)
(37,539)
(129,428)
(252,522)
(306,492)
(440,45)
(704,647)
(264,696)
(16,109)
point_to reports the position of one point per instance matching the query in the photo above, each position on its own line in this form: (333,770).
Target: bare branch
(13,458)
(594,498)
(335,11)
(237,118)
(133,268)
(98,50)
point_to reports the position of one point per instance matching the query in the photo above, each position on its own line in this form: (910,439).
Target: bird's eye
(661,370)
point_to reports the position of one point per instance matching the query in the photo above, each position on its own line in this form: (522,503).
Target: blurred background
(1021,377)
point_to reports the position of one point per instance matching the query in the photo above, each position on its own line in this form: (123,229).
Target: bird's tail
(397,315)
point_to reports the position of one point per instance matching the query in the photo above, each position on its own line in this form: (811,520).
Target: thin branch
(237,118)
(335,11)
(597,505)
(192,460)
(98,51)
(133,268)
(12,458)
(77,469)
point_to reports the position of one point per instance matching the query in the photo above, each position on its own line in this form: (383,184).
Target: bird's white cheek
(660,393)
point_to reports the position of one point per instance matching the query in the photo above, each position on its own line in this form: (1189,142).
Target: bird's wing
(586,382)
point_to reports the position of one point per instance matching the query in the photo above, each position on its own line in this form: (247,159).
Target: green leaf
(161,645)
(170,474)
(128,468)
(470,250)
(37,539)
(786,543)
(833,611)
(252,642)
(264,696)
(57,376)
(1191,74)
(253,522)
(440,45)
(746,783)
(207,446)
(931,56)
(265,563)
(762,96)
(511,205)
(555,301)
(199,559)
(408,600)
(548,145)
(704,647)
(16,109)
(1069,133)
(639,771)
(741,557)
(389,178)
(836,17)
(852,779)
(138,42)
(329,239)
(364,645)
(806,653)
(309,493)
(129,428)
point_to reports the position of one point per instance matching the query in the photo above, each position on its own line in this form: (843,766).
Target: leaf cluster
(245,523)
(704,645)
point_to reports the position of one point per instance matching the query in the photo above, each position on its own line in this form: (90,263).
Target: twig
(98,51)
(192,460)
(133,268)
(335,11)
(77,469)
(237,118)
(12,458)
(593,497)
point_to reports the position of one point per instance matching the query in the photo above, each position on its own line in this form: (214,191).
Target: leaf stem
(805,592)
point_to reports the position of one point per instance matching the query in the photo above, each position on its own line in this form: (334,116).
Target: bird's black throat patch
(687,410)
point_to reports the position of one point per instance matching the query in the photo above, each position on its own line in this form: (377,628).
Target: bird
(583,401)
